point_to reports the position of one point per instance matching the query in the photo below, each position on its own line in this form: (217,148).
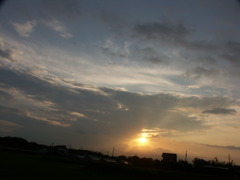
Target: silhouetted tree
(184,165)
(16,142)
(143,162)
(157,163)
(199,163)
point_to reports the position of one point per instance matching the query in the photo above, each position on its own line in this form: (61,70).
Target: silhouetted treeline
(20,143)
(157,164)
(143,162)
(201,163)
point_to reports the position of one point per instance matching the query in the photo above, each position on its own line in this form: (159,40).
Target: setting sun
(142,140)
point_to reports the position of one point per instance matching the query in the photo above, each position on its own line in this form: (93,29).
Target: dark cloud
(10,110)
(111,52)
(5,96)
(163,31)
(2,3)
(199,72)
(6,53)
(232,52)
(38,10)
(172,34)
(225,147)
(156,60)
(220,111)
(203,102)
(149,54)
(200,60)
(207,60)
(114,22)
(198,45)
(147,51)
(7,126)
(67,10)
(31,129)
(238,2)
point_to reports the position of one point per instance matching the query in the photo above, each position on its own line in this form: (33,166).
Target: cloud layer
(109,112)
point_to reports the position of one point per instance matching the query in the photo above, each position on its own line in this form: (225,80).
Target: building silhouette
(169,157)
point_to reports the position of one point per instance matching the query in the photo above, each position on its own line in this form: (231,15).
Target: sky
(146,77)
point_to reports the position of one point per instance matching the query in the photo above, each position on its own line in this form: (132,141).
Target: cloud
(65,10)
(8,53)
(77,114)
(50,119)
(5,53)
(26,28)
(146,51)
(220,111)
(109,51)
(57,26)
(232,52)
(170,35)
(102,113)
(113,49)
(7,126)
(206,61)
(146,57)
(193,86)
(117,108)
(238,2)
(160,30)
(224,147)
(198,72)
(149,54)
(157,60)
(115,22)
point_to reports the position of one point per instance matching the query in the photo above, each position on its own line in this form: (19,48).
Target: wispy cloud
(58,26)
(7,126)
(199,72)
(77,114)
(55,121)
(26,28)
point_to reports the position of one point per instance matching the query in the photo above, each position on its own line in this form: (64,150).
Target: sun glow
(142,140)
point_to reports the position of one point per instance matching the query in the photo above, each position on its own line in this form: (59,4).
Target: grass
(14,165)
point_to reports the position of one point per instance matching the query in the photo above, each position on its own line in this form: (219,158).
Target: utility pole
(186,156)
(113,151)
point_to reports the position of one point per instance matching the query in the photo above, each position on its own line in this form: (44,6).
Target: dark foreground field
(15,165)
